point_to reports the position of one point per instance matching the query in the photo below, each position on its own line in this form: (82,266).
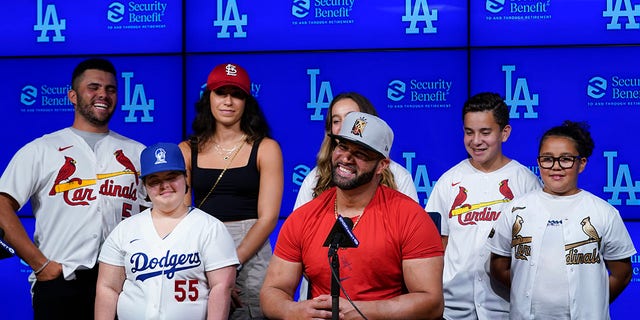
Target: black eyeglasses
(565,162)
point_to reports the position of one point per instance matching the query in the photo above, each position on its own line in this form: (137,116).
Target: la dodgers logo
(622,8)
(519,95)
(136,100)
(419,12)
(232,17)
(49,22)
(623,182)
(321,99)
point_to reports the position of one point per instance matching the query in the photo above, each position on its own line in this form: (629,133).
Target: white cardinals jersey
(77,194)
(593,232)
(165,277)
(469,202)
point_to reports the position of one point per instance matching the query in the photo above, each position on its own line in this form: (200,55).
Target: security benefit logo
(613,91)
(45,98)
(620,182)
(322,12)
(48,23)
(518,95)
(419,93)
(622,14)
(320,95)
(228,16)
(525,10)
(137,15)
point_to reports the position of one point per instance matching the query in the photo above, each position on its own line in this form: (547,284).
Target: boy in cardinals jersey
(470,197)
(82,180)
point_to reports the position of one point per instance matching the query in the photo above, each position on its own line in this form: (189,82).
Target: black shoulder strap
(194,152)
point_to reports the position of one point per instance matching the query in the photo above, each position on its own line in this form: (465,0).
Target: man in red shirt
(395,272)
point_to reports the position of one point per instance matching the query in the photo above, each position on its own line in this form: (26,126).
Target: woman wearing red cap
(236,173)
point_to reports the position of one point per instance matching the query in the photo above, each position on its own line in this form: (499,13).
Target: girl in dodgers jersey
(470,197)
(564,252)
(170,261)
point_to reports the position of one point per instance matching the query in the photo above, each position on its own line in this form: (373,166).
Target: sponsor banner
(241,25)
(56,27)
(294,92)
(37,103)
(554,22)
(544,87)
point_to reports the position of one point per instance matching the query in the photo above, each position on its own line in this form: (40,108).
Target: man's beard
(87,112)
(359,180)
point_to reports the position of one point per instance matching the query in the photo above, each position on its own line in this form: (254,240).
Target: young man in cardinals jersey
(470,197)
(82,180)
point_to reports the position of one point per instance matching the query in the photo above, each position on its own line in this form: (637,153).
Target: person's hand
(347,309)
(235,298)
(316,308)
(50,272)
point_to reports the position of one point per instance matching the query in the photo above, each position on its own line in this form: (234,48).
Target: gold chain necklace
(226,153)
(335,212)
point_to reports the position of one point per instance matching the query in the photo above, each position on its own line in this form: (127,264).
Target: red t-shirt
(392,228)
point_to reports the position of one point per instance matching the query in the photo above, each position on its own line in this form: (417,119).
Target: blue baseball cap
(160,157)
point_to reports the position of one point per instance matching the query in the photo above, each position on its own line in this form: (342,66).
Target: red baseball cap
(229,74)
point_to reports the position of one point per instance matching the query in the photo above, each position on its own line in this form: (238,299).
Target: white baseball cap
(368,131)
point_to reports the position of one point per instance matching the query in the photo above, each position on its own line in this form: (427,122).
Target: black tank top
(235,197)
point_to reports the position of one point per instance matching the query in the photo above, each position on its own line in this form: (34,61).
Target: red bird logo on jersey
(68,168)
(505,190)
(460,199)
(126,163)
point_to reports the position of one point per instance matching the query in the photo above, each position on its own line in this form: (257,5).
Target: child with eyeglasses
(564,252)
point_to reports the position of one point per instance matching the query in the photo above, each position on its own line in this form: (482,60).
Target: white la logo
(49,22)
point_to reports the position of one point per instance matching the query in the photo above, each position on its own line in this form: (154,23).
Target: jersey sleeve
(218,248)
(617,242)
(112,252)
(499,241)
(23,175)
(437,202)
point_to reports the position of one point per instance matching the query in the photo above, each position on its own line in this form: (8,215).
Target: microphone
(5,250)
(341,235)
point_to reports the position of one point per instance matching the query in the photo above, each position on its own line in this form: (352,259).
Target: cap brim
(360,143)
(219,85)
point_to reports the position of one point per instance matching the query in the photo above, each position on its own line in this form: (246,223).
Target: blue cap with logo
(160,157)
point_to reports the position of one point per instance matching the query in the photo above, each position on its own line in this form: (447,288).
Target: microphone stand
(335,286)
